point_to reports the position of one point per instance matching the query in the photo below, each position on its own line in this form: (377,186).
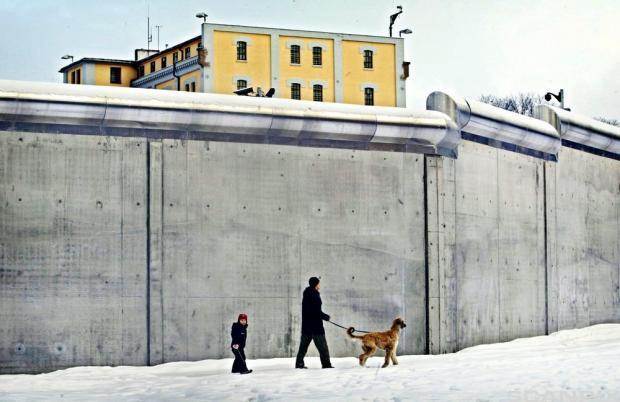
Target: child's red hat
(242,316)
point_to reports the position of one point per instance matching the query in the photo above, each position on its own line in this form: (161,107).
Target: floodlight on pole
(394,16)
(406,31)
(203,16)
(67,57)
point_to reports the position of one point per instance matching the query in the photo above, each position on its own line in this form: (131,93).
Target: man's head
(314,282)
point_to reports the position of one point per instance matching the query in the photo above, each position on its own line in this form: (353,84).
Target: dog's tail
(350,333)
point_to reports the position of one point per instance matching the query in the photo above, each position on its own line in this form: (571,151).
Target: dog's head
(399,323)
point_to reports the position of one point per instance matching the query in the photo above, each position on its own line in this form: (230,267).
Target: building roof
(303,31)
(177,46)
(95,60)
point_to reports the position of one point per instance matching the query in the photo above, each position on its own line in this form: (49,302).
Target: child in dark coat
(239,333)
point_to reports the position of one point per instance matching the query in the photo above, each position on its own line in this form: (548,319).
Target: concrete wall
(127,250)
(584,237)
(246,225)
(72,237)
(488,281)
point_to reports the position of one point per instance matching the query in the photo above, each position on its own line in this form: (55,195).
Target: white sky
(466,47)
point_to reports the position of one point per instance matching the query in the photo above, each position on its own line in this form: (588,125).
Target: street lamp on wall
(67,57)
(559,97)
(203,16)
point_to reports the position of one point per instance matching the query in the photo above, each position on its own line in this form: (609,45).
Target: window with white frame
(242,50)
(295,54)
(369,96)
(295,91)
(317,56)
(317,93)
(368,59)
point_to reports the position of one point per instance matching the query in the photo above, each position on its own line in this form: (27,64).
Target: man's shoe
(301,367)
(328,367)
(246,372)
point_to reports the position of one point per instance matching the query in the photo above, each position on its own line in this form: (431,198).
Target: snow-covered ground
(582,364)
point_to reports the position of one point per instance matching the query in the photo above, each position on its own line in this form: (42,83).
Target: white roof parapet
(498,127)
(581,130)
(98,110)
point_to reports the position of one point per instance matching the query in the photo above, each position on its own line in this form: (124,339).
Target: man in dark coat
(312,325)
(239,335)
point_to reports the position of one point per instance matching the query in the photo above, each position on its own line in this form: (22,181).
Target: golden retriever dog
(387,341)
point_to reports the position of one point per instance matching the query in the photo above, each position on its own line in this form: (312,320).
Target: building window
(141,71)
(317,56)
(78,76)
(369,96)
(115,75)
(152,66)
(295,91)
(241,84)
(163,62)
(367,58)
(193,87)
(295,54)
(175,57)
(186,87)
(242,50)
(317,93)
(72,77)
(188,52)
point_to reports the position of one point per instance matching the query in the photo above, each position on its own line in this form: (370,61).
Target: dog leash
(354,330)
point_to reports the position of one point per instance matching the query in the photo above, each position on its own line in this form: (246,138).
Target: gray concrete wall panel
(72,234)
(587,236)
(492,242)
(258,220)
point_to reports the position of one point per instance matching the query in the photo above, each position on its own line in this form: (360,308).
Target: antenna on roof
(149,37)
(158,26)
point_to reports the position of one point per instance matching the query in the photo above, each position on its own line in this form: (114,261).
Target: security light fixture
(203,16)
(244,91)
(394,16)
(406,31)
(67,57)
(559,97)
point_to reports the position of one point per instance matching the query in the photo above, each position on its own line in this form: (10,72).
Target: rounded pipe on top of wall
(581,130)
(131,111)
(497,125)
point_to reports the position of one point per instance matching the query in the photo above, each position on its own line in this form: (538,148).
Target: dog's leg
(370,351)
(394,360)
(388,354)
(363,357)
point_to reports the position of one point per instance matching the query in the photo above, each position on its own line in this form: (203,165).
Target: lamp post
(67,57)
(203,16)
(406,31)
(394,16)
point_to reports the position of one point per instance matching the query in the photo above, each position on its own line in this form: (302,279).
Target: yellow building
(319,66)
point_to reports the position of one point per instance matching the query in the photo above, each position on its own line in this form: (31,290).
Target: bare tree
(522,103)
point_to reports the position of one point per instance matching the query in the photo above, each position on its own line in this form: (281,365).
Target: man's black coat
(311,315)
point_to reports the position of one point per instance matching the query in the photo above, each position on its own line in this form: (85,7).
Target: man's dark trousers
(321,344)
